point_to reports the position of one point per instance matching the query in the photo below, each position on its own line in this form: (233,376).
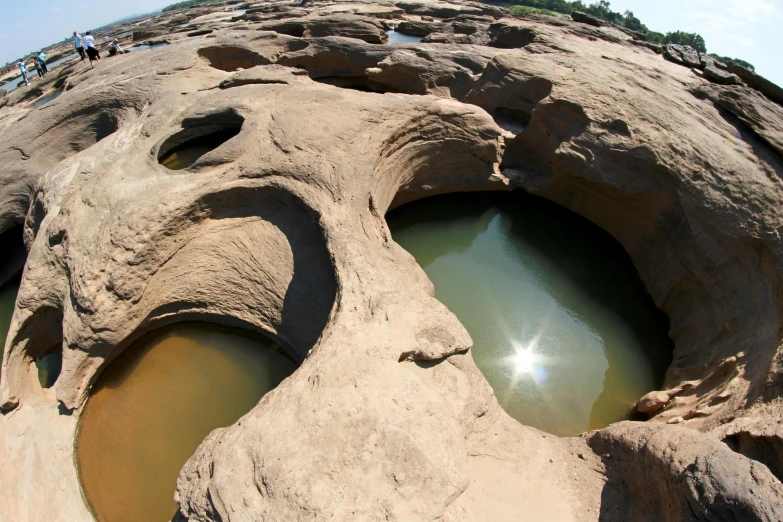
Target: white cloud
(745,41)
(724,14)
(56,8)
(733,19)
(3,36)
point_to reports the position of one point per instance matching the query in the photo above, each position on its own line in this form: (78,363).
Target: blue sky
(747,29)
(28,25)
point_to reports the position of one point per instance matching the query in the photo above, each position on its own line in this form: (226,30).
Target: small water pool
(40,102)
(562,326)
(395,37)
(145,47)
(152,407)
(185,155)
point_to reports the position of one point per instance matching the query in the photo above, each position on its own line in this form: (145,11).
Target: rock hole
(765,449)
(297,45)
(563,327)
(512,120)
(198,137)
(290,29)
(37,342)
(229,58)
(396,37)
(152,407)
(49,367)
(8,293)
(14,253)
(356,83)
(201,32)
(106,125)
(48,98)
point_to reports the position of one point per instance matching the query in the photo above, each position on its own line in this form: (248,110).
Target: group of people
(85,46)
(39,62)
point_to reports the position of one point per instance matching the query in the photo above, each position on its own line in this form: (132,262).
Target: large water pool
(562,326)
(154,405)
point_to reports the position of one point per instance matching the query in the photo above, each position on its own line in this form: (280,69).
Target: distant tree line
(187,3)
(602,9)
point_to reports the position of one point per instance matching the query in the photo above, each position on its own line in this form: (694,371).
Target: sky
(28,25)
(751,30)
(746,29)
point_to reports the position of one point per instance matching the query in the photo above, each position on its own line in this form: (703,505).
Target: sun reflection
(526,363)
(523,361)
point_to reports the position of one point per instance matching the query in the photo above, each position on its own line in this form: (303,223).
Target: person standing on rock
(23,69)
(38,68)
(41,61)
(89,43)
(77,43)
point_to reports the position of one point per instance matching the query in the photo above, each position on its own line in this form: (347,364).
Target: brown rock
(716,75)
(414,28)
(585,18)
(662,473)
(683,55)
(142,36)
(510,36)
(652,402)
(686,174)
(761,84)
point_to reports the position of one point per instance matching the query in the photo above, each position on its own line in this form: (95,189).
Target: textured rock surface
(717,75)
(281,230)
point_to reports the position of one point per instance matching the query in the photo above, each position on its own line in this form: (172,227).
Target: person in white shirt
(89,45)
(77,43)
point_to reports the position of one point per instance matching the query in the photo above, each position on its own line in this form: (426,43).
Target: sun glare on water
(524,360)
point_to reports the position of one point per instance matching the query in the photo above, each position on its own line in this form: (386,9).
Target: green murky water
(563,328)
(49,367)
(154,405)
(50,364)
(48,98)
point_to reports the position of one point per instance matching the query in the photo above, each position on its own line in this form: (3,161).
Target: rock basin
(562,327)
(152,407)
(397,37)
(280,231)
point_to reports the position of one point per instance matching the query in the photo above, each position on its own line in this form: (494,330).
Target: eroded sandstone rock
(388,416)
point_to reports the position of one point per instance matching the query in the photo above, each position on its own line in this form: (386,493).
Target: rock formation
(281,230)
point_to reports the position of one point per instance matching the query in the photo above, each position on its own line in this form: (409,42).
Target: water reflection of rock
(561,324)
